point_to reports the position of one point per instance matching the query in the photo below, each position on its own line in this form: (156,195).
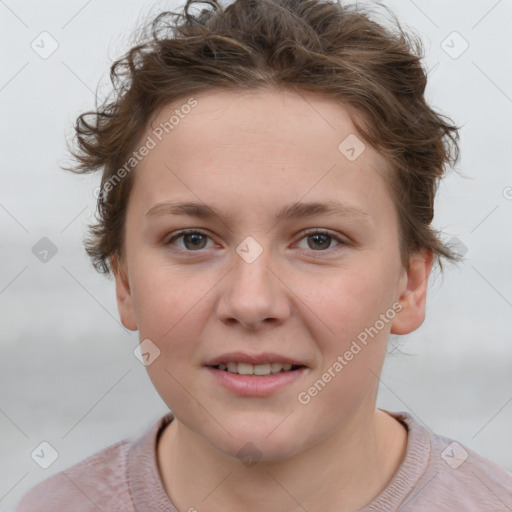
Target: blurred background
(68,375)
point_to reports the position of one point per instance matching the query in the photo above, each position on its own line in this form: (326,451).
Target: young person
(269,171)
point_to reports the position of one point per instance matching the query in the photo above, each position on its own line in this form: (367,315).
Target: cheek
(171,306)
(159,294)
(350,301)
(351,307)
(172,309)
(352,347)
(164,311)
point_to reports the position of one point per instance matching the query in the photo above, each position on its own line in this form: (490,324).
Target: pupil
(196,240)
(325,237)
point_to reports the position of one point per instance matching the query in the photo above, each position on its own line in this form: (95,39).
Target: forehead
(271,119)
(263,147)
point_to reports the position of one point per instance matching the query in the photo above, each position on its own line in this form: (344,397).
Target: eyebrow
(293,211)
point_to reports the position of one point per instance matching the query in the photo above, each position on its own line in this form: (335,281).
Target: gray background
(67,369)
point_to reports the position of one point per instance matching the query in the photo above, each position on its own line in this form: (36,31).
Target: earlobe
(123,294)
(413,293)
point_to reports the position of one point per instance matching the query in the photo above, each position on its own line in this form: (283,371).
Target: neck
(367,452)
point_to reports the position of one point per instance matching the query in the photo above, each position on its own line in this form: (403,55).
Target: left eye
(322,239)
(197,240)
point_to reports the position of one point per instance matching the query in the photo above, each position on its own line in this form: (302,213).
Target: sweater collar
(149,495)
(144,480)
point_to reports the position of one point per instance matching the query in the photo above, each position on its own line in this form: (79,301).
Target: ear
(123,293)
(413,293)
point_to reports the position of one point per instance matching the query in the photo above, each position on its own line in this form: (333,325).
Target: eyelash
(305,234)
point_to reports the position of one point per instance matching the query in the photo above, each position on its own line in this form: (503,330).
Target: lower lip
(255,385)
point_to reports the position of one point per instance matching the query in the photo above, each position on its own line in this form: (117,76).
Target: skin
(248,155)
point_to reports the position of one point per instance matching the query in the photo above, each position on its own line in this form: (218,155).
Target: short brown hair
(335,50)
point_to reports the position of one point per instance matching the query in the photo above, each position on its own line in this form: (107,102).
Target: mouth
(256,374)
(256,370)
(256,380)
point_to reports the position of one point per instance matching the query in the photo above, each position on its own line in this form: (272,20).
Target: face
(249,281)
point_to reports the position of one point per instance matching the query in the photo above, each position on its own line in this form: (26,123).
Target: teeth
(275,367)
(258,369)
(245,369)
(262,369)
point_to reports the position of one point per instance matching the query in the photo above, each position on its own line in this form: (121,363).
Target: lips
(256,385)
(252,374)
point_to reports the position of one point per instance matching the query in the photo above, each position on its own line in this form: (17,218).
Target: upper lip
(244,357)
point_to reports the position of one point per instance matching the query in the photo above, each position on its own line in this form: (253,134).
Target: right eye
(193,240)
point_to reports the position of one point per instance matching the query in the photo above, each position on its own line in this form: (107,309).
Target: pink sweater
(437,474)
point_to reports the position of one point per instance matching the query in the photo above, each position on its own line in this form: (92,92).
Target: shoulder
(456,477)
(466,478)
(96,483)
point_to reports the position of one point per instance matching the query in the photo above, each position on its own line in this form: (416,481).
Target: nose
(254,294)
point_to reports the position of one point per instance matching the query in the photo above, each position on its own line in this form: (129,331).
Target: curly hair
(336,50)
